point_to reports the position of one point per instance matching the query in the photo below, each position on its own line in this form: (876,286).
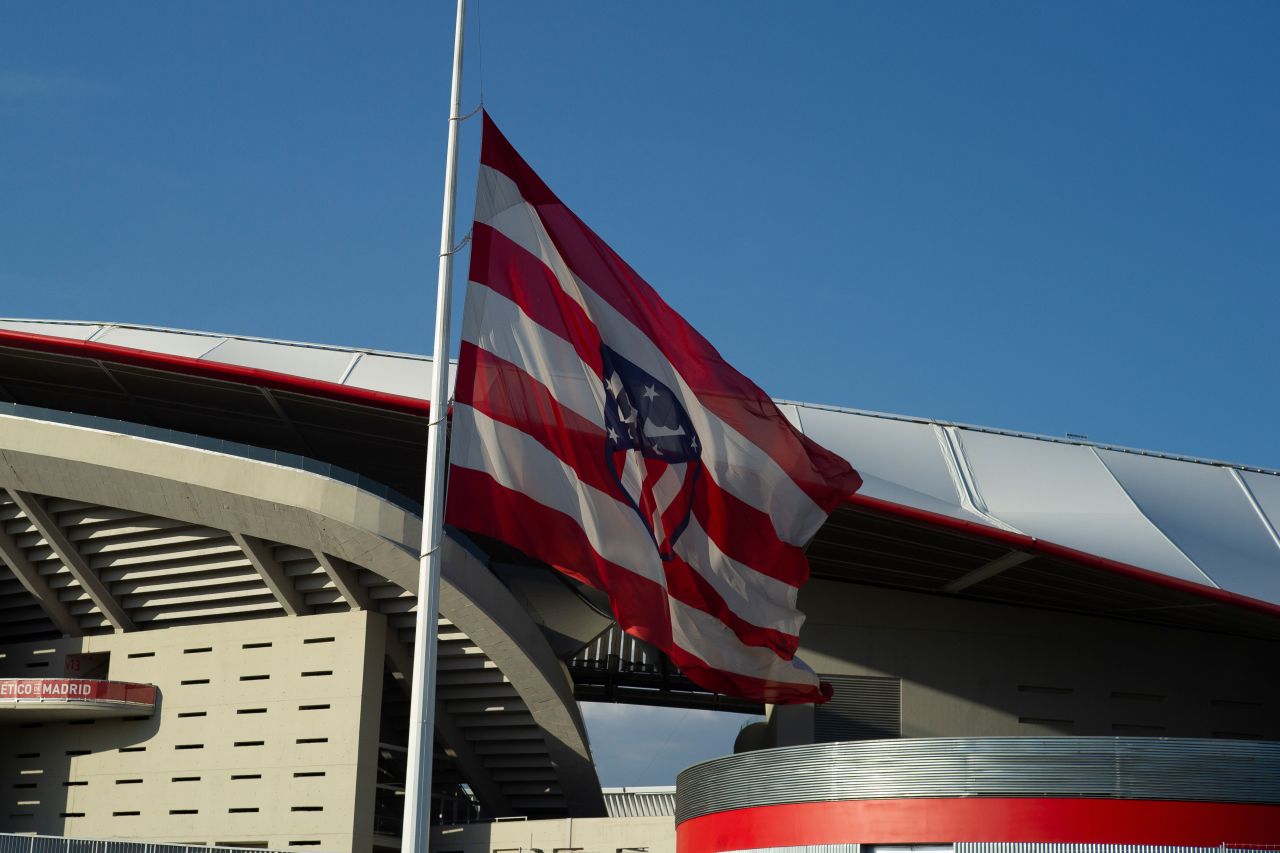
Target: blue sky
(1048,217)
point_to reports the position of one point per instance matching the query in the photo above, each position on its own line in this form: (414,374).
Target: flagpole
(415,832)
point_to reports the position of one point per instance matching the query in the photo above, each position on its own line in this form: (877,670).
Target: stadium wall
(265,734)
(965,668)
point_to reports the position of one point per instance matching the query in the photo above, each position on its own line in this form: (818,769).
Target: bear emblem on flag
(651,448)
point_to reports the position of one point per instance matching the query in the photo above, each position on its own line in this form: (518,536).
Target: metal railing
(10,843)
(1190,769)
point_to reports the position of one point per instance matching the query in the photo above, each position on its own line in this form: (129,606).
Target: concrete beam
(272,573)
(449,735)
(75,562)
(344,579)
(280,504)
(29,577)
(990,570)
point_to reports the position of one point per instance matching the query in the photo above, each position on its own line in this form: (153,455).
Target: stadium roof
(945,508)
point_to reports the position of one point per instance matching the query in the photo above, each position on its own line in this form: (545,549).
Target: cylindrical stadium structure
(1091,790)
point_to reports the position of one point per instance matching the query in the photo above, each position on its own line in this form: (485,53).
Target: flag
(595,430)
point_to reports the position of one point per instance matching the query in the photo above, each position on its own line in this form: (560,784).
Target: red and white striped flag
(596,431)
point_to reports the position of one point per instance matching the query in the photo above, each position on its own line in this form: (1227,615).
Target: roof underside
(945,510)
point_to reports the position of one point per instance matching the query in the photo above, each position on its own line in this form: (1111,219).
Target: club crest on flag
(651,447)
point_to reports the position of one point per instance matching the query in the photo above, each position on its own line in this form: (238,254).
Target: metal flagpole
(415,834)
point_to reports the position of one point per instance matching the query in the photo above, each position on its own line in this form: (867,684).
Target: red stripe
(212,370)
(506,268)
(747,535)
(510,396)
(507,394)
(688,586)
(1075,820)
(824,476)
(479,504)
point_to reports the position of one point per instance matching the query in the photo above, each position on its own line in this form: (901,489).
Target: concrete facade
(970,668)
(265,734)
(579,835)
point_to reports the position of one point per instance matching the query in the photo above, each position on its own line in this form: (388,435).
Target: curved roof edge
(1196,525)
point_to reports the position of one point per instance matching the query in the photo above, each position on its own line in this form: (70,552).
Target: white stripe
(737,465)
(497,325)
(613,529)
(517,461)
(665,492)
(770,602)
(710,639)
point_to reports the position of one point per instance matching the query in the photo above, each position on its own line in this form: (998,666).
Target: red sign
(75,689)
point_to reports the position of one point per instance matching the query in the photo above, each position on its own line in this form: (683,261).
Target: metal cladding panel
(899,461)
(1063,493)
(402,375)
(1265,489)
(78,331)
(309,362)
(171,343)
(625,803)
(1182,769)
(14,843)
(863,707)
(1203,510)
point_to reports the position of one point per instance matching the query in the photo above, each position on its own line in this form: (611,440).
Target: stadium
(209,594)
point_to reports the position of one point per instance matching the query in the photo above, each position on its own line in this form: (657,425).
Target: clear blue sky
(1049,217)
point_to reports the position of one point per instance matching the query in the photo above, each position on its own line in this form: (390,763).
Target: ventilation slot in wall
(1129,696)
(862,707)
(316,672)
(313,707)
(311,640)
(133,655)
(1136,729)
(256,646)
(200,651)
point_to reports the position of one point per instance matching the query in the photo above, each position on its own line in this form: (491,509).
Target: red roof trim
(412,406)
(213,370)
(1023,542)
